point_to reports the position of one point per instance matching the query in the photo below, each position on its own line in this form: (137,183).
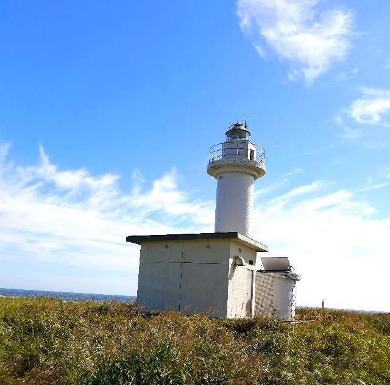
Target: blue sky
(107,112)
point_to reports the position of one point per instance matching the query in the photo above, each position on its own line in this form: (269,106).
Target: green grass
(46,341)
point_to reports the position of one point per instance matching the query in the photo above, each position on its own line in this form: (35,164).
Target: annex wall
(190,276)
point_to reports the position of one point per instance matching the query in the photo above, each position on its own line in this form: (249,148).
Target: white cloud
(74,218)
(298,191)
(372,107)
(346,75)
(260,50)
(370,185)
(259,192)
(335,241)
(350,134)
(310,38)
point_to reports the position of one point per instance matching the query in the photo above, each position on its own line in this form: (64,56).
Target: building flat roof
(249,242)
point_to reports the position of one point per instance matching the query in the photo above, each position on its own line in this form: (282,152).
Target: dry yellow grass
(47,341)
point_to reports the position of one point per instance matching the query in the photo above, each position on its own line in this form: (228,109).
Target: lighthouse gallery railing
(233,149)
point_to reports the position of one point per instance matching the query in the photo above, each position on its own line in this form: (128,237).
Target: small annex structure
(275,285)
(215,273)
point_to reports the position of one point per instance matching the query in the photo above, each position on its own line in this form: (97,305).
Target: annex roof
(240,238)
(276,263)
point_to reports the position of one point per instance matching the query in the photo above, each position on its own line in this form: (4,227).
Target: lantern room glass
(237,135)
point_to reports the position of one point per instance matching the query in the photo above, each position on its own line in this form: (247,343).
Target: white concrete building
(198,273)
(215,273)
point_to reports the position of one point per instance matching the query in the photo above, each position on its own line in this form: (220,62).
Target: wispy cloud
(350,134)
(370,185)
(365,118)
(284,179)
(346,75)
(72,217)
(296,192)
(310,38)
(372,108)
(334,239)
(325,148)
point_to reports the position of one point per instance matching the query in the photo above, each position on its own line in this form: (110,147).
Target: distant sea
(66,296)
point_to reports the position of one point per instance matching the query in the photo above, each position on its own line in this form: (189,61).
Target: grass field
(47,341)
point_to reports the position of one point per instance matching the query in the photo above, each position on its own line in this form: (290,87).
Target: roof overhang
(239,238)
(280,266)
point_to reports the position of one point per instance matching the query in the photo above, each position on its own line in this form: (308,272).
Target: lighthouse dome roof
(236,128)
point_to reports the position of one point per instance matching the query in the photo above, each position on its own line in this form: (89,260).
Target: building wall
(284,298)
(241,282)
(197,251)
(158,286)
(275,295)
(185,275)
(264,300)
(204,289)
(238,293)
(248,254)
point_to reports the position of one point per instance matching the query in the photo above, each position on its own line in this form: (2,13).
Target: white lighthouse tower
(236,164)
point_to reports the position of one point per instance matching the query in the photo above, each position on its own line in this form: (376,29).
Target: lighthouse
(217,273)
(235,164)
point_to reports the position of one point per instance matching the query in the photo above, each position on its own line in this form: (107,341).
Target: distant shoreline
(66,296)
(97,297)
(348,310)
